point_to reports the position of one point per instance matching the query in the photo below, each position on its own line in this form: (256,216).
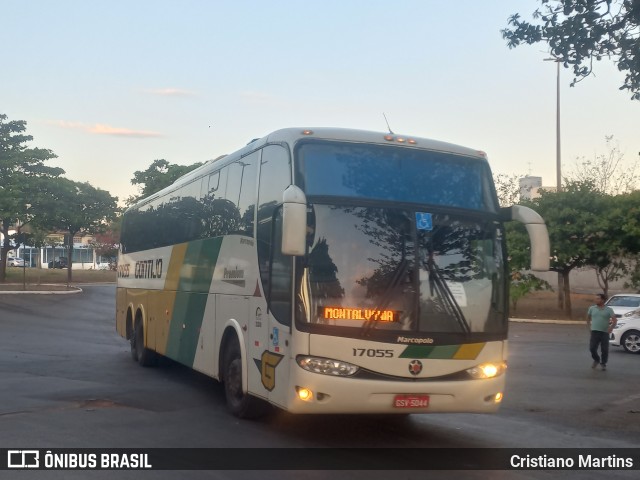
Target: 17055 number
(372,352)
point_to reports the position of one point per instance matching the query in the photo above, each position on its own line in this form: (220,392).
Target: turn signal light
(304,394)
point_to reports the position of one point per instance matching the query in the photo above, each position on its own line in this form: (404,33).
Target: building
(531,186)
(85,256)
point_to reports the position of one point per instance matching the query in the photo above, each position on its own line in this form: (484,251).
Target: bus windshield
(394,269)
(397,174)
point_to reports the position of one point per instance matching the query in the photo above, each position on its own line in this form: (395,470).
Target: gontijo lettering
(148,269)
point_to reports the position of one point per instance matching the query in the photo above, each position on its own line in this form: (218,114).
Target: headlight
(618,325)
(632,313)
(326,366)
(487,370)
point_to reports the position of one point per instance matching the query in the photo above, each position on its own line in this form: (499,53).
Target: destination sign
(364,314)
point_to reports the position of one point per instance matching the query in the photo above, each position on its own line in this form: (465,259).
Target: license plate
(411,401)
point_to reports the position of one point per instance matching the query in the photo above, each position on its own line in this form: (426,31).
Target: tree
(159,175)
(612,257)
(578,230)
(36,238)
(609,172)
(523,284)
(581,31)
(609,247)
(76,207)
(507,189)
(22,171)
(630,205)
(106,242)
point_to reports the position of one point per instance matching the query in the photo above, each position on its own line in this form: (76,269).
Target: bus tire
(240,404)
(140,354)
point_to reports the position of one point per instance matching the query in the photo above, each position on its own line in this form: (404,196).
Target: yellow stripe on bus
(161,305)
(175,266)
(469,351)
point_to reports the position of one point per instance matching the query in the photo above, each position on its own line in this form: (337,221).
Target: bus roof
(293,135)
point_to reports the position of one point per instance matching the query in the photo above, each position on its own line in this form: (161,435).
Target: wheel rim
(632,343)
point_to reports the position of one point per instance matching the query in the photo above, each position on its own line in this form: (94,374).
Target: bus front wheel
(139,353)
(241,404)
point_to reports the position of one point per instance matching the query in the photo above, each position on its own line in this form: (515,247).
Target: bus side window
(241,190)
(281,276)
(210,185)
(275,177)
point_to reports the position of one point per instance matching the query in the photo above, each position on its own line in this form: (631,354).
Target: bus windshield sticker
(424,221)
(457,290)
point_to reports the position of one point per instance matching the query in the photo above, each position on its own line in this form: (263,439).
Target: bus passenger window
(241,190)
(275,177)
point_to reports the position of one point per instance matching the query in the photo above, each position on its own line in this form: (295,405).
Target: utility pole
(561,296)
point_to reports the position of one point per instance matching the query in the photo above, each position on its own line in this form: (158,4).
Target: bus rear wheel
(139,353)
(241,404)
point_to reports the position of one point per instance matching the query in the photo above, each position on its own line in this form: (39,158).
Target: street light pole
(558,151)
(558,155)
(561,293)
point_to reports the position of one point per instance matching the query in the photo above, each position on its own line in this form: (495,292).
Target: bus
(328,270)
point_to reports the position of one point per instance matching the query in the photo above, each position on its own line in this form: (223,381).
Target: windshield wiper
(443,290)
(387,295)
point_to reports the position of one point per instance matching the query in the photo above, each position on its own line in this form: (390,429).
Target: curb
(557,322)
(72,290)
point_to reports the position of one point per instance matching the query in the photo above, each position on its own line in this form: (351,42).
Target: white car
(626,333)
(15,262)
(622,303)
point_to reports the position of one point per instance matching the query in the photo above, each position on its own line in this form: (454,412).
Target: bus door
(280,317)
(258,345)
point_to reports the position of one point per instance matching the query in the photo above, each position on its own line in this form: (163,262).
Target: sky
(110,87)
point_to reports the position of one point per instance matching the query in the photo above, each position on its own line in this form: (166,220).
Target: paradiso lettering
(148,269)
(341,313)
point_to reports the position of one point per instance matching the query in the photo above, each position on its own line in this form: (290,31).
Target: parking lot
(67,380)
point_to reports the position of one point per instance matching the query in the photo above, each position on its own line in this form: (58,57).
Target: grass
(33,277)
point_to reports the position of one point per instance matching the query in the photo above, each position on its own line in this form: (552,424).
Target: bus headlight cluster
(327,366)
(487,370)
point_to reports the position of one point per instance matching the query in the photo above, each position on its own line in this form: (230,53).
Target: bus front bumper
(316,393)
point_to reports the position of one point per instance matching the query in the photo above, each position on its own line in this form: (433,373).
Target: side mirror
(538,235)
(294,221)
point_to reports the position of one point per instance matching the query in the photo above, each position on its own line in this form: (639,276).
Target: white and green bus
(328,271)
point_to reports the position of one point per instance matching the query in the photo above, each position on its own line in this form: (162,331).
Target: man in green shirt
(600,320)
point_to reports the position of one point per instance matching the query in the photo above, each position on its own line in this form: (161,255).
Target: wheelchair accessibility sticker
(424,221)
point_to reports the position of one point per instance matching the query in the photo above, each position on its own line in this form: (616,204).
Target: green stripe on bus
(199,264)
(196,273)
(184,330)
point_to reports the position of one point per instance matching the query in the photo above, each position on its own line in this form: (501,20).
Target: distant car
(59,263)
(626,333)
(622,303)
(15,262)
